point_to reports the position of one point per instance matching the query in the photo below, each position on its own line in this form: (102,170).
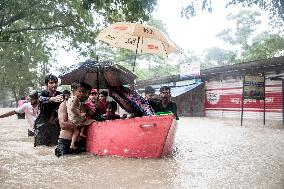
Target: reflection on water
(209,153)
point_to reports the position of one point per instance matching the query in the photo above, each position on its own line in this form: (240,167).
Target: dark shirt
(171,106)
(48,108)
(47,125)
(154,104)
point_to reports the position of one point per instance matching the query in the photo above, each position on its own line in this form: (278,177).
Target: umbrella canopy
(138,38)
(98,74)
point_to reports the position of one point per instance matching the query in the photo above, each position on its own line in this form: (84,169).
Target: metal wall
(191,103)
(223,98)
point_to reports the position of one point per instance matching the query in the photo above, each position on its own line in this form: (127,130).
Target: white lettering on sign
(235,100)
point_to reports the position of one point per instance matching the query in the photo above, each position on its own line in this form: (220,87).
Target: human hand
(58,98)
(83,114)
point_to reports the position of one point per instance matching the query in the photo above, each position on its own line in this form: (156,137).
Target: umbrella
(98,74)
(138,38)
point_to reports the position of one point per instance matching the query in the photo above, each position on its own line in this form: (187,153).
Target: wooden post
(242,111)
(283,102)
(264,99)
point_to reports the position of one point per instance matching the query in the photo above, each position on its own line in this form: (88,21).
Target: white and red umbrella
(139,38)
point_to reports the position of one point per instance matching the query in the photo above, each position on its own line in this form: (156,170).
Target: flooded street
(210,153)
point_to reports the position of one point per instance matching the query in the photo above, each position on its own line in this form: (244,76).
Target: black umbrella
(99,74)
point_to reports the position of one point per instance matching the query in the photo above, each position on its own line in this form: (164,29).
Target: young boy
(76,115)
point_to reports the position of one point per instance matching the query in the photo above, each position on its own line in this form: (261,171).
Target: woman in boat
(131,101)
(110,114)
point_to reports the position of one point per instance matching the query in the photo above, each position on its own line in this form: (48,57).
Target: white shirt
(30,112)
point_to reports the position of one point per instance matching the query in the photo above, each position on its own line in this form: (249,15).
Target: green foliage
(216,56)
(246,23)
(20,63)
(275,7)
(160,70)
(242,37)
(31,29)
(265,46)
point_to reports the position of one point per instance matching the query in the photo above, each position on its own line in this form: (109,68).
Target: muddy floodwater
(210,153)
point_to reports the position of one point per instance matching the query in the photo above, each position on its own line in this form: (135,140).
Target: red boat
(139,137)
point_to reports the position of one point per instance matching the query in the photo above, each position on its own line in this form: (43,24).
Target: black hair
(50,77)
(149,90)
(104,92)
(75,85)
(165,88)
(86,86)
(33,95)
(66,92)
(112,105)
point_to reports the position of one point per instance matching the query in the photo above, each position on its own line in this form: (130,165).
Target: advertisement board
(254,87)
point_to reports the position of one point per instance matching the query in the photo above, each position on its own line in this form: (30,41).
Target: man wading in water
(65,137)
(46,125)
(31,110)
(165,104)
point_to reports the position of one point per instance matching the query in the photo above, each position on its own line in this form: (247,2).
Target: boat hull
(140,137)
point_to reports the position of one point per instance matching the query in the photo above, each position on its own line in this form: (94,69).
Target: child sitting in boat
(103,101)
(76,113)
(110,114)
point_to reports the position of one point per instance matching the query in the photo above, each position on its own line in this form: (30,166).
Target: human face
(32,101)
(102,98)
(93,97)
(150,96)
(79,92)
(86,94)
(51,86)
(165,95)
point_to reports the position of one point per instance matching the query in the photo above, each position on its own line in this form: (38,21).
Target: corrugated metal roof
(176,91)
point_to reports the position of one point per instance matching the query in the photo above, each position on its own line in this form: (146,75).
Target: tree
(275,7)
(20,62)
(242,37)
(265,46)
(246,23)
(216,56)
(31,29)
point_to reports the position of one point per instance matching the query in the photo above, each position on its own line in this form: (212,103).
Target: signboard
(188,69)
(254,87)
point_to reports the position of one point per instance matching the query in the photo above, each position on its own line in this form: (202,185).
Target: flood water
(210,153)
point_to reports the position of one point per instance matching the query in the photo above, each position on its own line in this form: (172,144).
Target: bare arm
(8,114)
(63,117)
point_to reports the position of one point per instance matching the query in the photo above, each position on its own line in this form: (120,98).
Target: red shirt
(91,106)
